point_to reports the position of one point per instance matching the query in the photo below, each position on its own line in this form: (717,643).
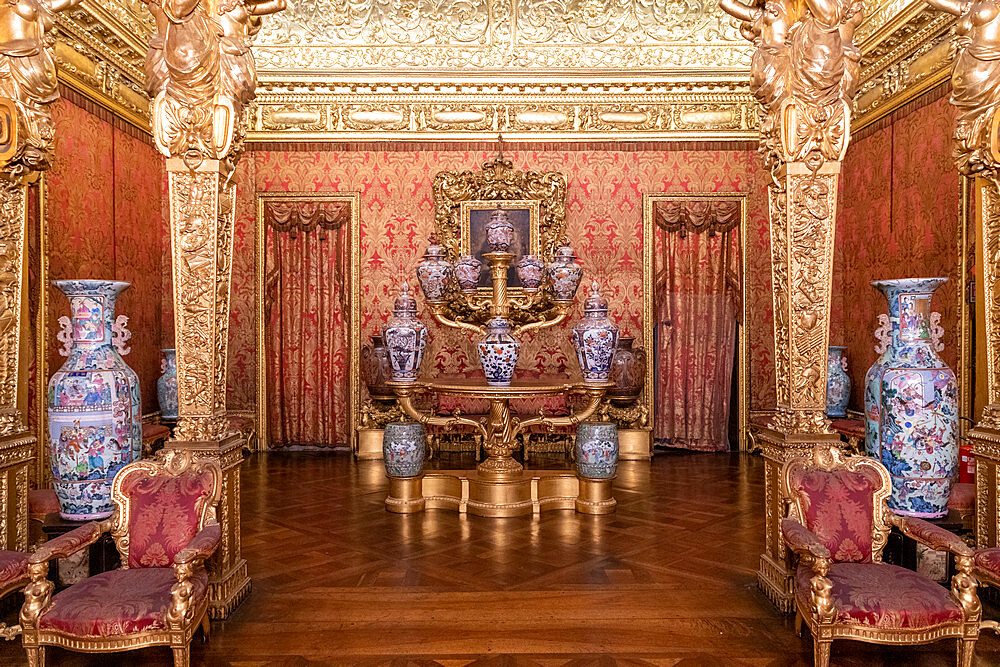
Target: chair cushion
(838,507)
(962,498)
(119,602)
(883,596)
(42,502)
(13,567)
(989,560)
(163,515)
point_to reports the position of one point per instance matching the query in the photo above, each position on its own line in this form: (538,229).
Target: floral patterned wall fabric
(900,213)
(104,220)
(604,201)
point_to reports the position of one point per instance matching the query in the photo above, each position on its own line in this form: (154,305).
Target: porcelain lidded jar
(838,382)
(595,338)
(468,269)
(434,272)
(564,273)
(498,352)
(596,450)
(95,413)
(405,337)
(911,404)
(404,449)
(530,271)
(166,385)
(628,372)
(499,231)
(376,369)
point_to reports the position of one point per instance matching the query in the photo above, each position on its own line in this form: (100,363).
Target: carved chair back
(841,500)
(160,504)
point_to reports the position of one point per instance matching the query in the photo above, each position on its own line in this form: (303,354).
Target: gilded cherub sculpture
(975,83)
(803,73)
(28,78)
(201,74)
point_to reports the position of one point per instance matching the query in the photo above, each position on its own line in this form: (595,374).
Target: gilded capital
(200,74)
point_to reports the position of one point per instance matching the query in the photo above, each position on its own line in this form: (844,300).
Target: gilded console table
(499,487)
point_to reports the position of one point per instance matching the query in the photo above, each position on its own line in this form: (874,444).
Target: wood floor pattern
(667,580)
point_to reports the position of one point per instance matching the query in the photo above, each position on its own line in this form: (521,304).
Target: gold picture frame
(649,201)
(354,345)
(481,210)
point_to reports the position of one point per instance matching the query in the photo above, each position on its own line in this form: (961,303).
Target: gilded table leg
(499,442)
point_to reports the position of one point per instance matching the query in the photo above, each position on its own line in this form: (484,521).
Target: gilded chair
(837,525)
(165,528)
(13,576)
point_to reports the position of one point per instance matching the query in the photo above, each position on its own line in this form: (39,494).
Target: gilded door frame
(648,257)
(353,375)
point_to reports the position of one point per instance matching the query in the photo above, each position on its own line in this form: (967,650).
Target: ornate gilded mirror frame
(649,202)
(499,181)
(353,199)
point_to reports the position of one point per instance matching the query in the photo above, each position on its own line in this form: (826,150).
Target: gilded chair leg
(36,656)
(205,628)
(182,656)
(821,653)
(798,623)
(966,649)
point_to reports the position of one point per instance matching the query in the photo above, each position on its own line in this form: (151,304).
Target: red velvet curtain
(307,339)
(697,301)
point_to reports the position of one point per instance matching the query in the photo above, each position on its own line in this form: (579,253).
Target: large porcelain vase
(911,404)
(166,385)
(498,351)
(595,338)
(95,418)
(405,337)
(838,382)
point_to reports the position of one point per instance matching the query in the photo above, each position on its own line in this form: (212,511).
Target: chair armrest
(798,538)
(929,535)
(201,546)
(69,543)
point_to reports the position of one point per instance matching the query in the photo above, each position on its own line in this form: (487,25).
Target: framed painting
(474,216)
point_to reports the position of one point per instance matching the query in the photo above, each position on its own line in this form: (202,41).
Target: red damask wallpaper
(604,199)
(900,206)
(105,221)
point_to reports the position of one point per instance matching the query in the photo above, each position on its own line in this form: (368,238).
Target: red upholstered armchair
(13,575)
(165,528)
(837,525)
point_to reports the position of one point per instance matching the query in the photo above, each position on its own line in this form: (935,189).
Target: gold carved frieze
(289,110)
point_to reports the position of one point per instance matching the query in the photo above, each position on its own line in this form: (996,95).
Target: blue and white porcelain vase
(498,352)
(596,450)
(434,272)
(406,337)
(468,270)
(166,386)
(838,382)
(404,449)
(530,271)
(499,231)
(911,404)
(595,338)
(95,413)
(564,273)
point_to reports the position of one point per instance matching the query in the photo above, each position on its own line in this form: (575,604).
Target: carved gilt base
(775,575)
(985,441)
(527,492)
(369,447)
(229,581)
(16,454)
(635,444)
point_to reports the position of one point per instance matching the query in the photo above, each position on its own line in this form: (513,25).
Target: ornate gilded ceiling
(467,69)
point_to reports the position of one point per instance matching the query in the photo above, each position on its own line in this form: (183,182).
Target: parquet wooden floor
(667,580)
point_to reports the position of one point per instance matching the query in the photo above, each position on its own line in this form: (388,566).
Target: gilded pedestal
(802,206)
(201,226)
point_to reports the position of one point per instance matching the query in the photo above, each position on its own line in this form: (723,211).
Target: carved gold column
(803,206)
(985,436)
(804,77)
(201,233)
(17,445)
(200,90)
(975,78)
